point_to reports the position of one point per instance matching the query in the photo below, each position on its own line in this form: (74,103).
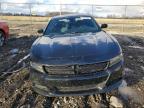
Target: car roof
(71,15)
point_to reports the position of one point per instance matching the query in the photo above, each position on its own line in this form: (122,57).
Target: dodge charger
(75,56)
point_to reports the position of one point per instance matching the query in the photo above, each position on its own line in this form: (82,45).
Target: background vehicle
(75,57)
(4,32)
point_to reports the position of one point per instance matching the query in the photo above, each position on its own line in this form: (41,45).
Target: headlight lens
(37,66)
(116,59)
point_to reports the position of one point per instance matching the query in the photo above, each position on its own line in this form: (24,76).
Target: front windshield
(71,25)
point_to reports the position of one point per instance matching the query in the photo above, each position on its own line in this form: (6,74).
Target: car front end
(77,79)
(76,63)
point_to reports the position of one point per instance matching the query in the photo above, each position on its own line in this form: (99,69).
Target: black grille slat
(77,69)
(60,67)
(59,70)
(92,67)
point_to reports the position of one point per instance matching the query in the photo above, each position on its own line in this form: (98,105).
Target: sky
(98,2)
(97,10)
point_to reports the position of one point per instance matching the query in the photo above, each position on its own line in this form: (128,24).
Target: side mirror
(104,26)
(40,31)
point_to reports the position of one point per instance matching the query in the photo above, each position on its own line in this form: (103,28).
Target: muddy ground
(16,91)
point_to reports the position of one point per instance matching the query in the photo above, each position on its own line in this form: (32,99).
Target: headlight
(115,60)
(37,66)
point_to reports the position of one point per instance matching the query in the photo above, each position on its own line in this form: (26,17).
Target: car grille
(75,69)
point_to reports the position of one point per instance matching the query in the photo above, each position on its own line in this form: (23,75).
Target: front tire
(2,39)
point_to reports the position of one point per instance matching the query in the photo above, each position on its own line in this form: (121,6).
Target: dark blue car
(75,57)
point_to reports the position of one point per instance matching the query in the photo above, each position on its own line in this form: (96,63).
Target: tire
(2,39)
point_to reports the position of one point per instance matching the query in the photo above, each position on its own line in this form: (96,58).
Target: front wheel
(2,38)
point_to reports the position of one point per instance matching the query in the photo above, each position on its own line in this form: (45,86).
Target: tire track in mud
(10,87)
(3,77)
(48,102)
(16,91)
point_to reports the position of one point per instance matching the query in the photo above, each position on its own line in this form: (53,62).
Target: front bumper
(99,82)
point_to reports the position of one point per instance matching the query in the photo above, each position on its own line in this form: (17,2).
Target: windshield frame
(50,35)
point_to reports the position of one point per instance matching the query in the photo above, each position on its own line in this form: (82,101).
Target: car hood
(73,49)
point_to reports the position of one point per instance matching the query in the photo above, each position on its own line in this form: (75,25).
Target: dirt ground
(16,90)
